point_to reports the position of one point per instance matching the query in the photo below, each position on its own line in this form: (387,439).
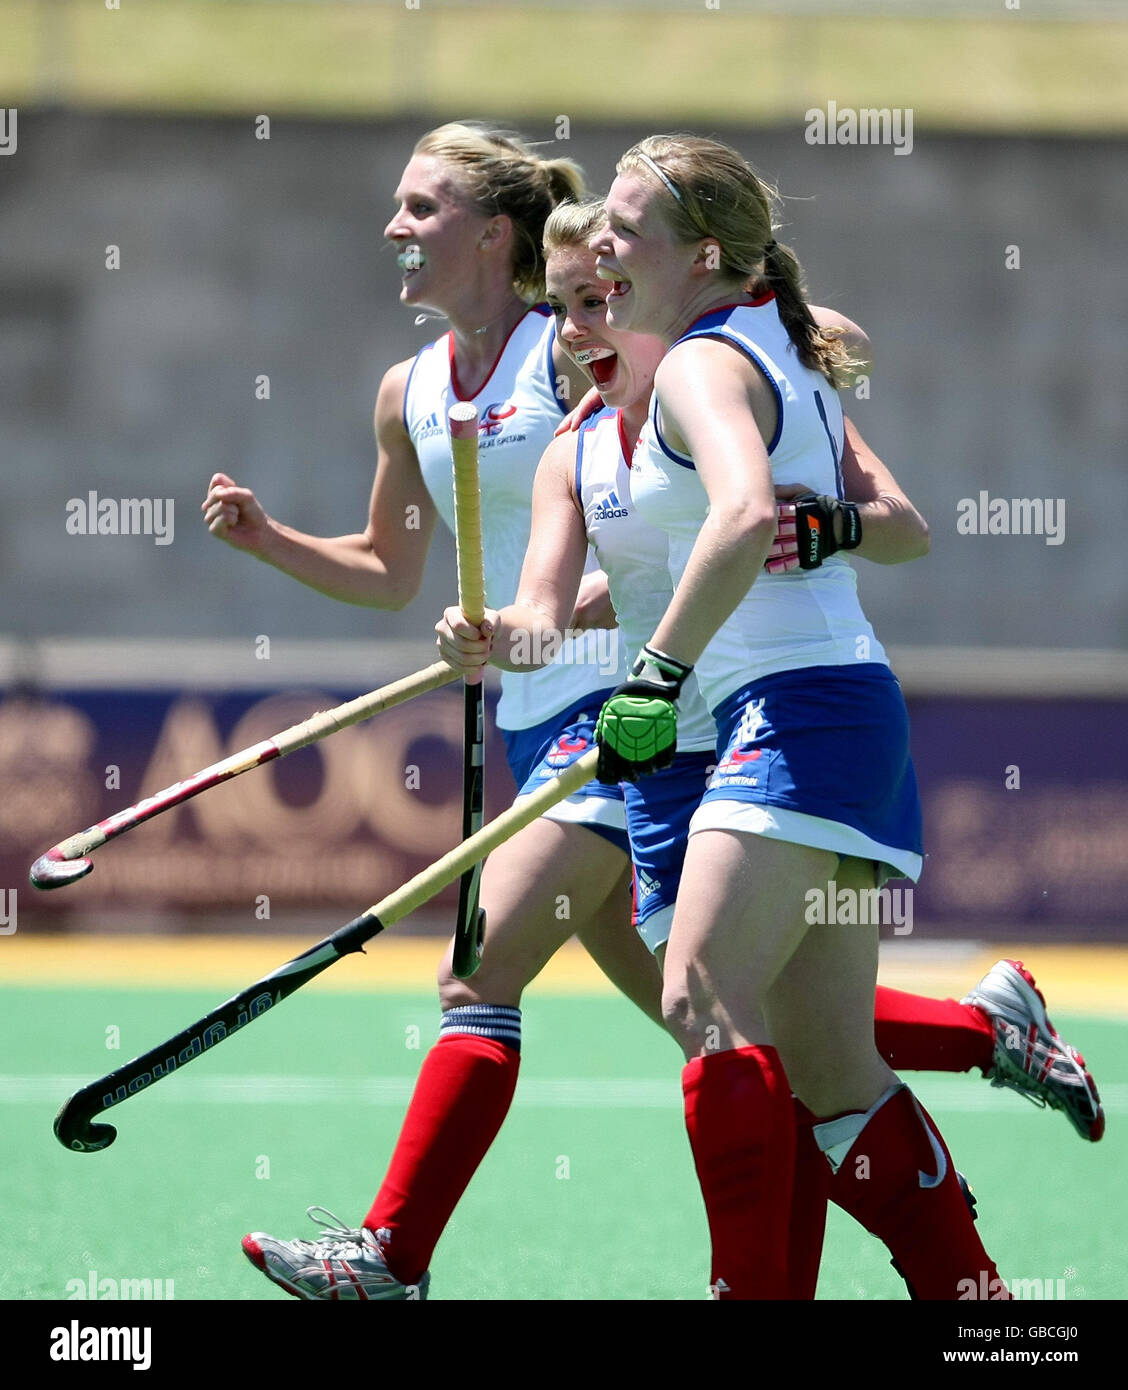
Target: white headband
(650,164)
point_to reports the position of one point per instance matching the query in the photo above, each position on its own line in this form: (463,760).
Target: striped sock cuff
(498,1021)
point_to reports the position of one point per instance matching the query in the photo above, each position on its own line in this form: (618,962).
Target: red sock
(462,1096)
(742,1131)
(928,1229)
(808,1208)
(915,1033)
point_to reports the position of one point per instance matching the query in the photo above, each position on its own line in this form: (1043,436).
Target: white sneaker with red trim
(343,1264)
(1030,1057)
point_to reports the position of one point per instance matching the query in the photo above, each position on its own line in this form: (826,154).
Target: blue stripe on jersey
(726,335)
(716,325)
(683,459)
(833,446)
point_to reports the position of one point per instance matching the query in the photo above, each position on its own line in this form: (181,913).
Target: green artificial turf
(588,1193)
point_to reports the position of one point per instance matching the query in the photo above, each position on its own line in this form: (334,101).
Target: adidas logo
(610,506)
(645,884)
(430,427)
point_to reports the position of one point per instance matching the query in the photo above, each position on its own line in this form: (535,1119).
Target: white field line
(954,1094)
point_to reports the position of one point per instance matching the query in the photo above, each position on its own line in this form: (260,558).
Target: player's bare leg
(739,917)
(891,1170)
(536,888)
(827,984)
(467,1080)
(622,955)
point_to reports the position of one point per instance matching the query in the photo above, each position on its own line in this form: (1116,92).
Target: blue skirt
(819,756)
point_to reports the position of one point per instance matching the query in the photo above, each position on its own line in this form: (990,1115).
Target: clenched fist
(235,515)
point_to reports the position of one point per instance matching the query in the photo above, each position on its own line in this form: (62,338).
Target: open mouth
(600,362)
(411,259)
(602,369)
(619,287)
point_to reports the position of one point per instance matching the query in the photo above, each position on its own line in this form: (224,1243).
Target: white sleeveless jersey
(786,621)
(518,411)
(634,556)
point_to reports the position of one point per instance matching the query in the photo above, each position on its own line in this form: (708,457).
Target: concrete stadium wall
(242,256)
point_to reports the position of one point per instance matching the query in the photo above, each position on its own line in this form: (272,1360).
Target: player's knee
(687,1014)
(837,1080)
(454,993)
(484,987)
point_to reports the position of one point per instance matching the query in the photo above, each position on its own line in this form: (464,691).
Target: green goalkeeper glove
(637,731)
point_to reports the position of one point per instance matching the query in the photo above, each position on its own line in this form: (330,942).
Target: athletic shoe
(341,1264)
(1030,1057)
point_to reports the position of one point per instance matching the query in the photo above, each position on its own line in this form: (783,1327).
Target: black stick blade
(73,1127)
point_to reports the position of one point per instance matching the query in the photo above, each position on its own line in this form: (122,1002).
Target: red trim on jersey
(756,303)
(627,452)
(455,384)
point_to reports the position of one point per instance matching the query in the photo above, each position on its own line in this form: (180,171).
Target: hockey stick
(73,1127)
(65,862)
(470,925)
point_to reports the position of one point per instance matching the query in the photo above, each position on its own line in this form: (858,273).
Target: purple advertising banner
(1025,807)
(336,825)
(1025,816)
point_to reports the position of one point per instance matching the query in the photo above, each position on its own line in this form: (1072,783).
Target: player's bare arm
(892,529)
(718,408)
(593,603)
(550,579)
(381,567)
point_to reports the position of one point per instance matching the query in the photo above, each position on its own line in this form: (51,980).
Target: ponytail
(820,349)
(503,176)
(707,189)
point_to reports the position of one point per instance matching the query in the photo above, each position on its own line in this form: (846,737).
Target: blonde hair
(708,189)
(502,176)
(573,224)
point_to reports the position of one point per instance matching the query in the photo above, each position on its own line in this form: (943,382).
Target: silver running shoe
(343,1263)
(1030,1056)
